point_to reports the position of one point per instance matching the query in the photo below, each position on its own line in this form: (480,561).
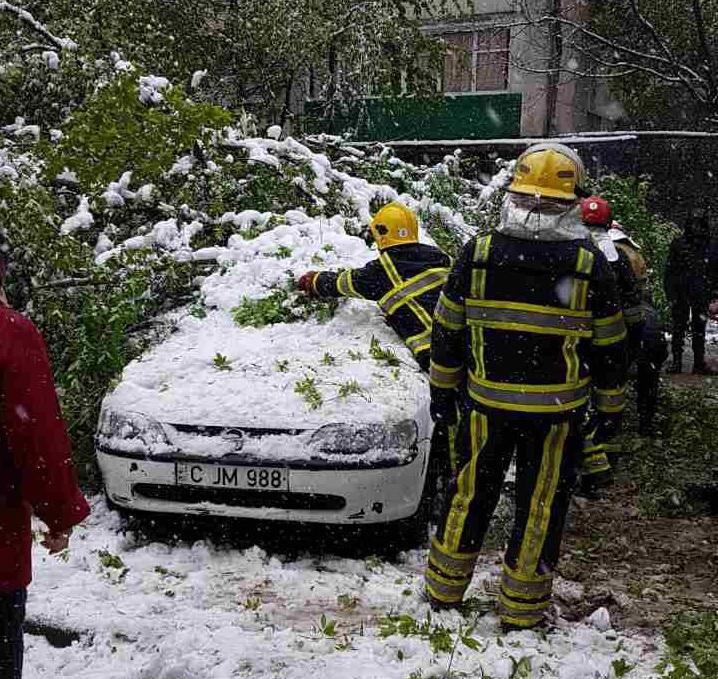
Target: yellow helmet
(549,170)
(394,224)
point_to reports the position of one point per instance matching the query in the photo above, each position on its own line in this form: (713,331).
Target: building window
(476,61)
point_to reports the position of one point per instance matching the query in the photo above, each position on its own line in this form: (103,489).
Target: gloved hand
(306,283)
(443,406)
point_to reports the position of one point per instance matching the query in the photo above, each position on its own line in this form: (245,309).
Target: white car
(298,421)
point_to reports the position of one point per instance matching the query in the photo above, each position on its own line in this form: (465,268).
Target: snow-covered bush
(119,129)
(141,197)
(630,201)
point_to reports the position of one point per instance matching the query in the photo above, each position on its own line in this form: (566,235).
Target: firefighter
(596,470)
(528,324)
(405,279)
(690,281)
(652,350)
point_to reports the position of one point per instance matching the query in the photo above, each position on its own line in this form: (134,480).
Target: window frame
(478,48)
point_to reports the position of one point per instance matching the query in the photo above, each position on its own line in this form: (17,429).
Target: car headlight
(355,439)
(132,432)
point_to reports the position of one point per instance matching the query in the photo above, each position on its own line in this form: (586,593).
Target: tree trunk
(554,65)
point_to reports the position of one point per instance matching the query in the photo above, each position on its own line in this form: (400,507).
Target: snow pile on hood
(152,610)
(178,382)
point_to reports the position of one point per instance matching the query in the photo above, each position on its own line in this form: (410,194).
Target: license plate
(222,476)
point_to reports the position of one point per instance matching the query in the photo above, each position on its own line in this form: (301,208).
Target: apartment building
(498,48)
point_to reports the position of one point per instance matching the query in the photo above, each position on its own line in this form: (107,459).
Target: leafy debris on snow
(307,388)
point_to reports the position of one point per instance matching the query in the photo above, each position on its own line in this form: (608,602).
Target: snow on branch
(34,25)
(614,58)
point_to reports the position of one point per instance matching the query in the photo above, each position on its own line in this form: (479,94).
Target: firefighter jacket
(527,327)
(406,281)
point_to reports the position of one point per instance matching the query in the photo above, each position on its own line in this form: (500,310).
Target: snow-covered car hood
(177,382)
(259,383)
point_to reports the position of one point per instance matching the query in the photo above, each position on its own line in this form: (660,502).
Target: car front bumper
(363,495)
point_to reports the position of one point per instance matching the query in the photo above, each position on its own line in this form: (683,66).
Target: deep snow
(205,612)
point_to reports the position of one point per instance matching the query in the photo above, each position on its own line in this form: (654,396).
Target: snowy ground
(201,611)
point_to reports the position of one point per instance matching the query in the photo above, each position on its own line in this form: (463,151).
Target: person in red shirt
(36,473)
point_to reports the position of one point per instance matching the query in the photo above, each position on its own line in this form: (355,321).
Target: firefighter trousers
(547,455)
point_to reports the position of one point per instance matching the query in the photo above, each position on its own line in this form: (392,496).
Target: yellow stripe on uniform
(390,269)
(445,378)
(466,484)
(478,291)
(611,400)
(577,303)
(419,342)
(449,314)
(412,288)
(345,286)
(396,280)
(607,331)
(542,499)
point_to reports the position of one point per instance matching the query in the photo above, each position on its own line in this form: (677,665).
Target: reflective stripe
(345,286)
(522,589)
(577,303)
(526,622)
(609,330)
(478,291)
(452,563)
(570,354)
(539,398)
(445,378)
(542,499)
(466,485)
(478,275)
(528,317)
(450,314)
(611,400)
(448,594)
(593,464)
(520,608)
(390,269)
(526,577)
(414,287)
(584,265)
(584,262)
(436,576)
(420,342)
(419,311)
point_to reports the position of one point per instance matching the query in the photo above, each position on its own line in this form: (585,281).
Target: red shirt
(36,473)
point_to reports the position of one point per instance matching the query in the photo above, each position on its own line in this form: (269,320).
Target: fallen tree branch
(34,25)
